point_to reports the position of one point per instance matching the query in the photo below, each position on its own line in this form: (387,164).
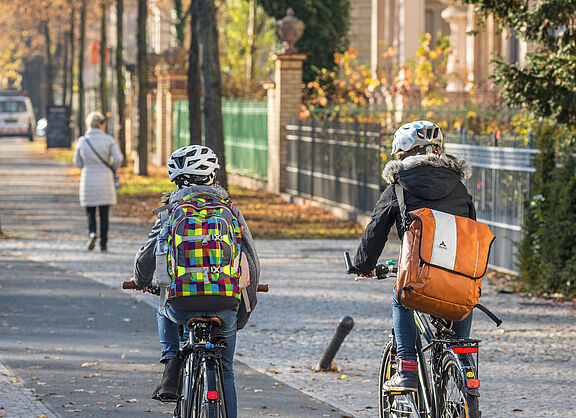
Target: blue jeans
(168,320)
(406,332)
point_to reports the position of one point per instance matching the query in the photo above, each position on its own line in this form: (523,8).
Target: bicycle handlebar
(382,270)
(131,285)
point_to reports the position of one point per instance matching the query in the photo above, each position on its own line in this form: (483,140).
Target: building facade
(377,24)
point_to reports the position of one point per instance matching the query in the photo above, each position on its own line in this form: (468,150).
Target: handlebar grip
(130,285)
(350,269)
(263,288)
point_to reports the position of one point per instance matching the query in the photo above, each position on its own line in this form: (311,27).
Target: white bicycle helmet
(194,162)
(416,134)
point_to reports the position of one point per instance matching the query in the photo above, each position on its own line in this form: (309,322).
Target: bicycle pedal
(164,400)
(402,392)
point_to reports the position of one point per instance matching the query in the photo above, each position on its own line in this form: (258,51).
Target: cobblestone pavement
(526,366)
(18,401)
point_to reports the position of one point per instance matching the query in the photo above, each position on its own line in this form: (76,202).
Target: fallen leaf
(89,364)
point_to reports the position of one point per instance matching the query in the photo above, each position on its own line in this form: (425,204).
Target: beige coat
(97,181)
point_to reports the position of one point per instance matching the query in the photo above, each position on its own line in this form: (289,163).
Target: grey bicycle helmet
(194,164)
(417,134)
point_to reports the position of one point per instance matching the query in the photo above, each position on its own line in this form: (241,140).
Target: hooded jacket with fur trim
(429,181)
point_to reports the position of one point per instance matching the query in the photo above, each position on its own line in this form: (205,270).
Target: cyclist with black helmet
(193,170)
(429,179)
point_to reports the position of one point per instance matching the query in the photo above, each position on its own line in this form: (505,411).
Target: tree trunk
(194,82)
(250,52)
(103,48)
(65,67)
(81,46)
(49,65)
(214,134)
(72,51)
(120,82)
(141,163)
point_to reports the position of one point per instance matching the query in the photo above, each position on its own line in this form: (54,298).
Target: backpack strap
(402,205)
(99,156)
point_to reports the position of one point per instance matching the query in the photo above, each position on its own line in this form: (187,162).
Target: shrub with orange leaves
(353,85)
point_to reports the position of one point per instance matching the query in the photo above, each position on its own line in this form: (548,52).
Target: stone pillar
(170,88)
(411,27)
(457,17)
(284,100)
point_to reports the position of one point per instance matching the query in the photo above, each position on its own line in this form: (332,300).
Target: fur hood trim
(463,168)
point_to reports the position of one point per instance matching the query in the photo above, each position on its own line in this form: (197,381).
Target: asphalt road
(78,346)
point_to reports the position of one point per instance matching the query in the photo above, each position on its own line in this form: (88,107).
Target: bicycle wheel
(455,402)
(204,407)
(184,405)
(393,405)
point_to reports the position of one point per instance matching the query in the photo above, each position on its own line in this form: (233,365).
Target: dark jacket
(145,262)
(429,181)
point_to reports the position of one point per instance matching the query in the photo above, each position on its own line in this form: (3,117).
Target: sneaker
(167,390)
(91,241)
(401,381)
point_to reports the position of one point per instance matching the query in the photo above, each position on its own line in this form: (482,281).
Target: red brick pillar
(284,100)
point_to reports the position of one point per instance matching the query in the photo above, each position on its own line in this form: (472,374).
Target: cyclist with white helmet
(193,169)
(429,179)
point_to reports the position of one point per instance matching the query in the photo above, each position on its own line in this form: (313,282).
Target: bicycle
(201,392)
(448,382)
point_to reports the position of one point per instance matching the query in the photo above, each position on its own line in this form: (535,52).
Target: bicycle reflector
(212,395)
(473,383)
(465,350)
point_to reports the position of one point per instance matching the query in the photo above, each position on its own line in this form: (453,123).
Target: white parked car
(16,116)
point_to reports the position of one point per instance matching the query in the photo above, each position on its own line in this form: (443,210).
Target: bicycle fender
(468,370)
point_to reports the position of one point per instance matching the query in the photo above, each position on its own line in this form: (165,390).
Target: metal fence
(499,186)
(334,162)
(341,163)
(245,126)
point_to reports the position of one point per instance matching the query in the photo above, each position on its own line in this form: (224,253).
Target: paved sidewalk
(525,366)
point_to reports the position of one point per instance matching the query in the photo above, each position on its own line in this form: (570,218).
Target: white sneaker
(91,242)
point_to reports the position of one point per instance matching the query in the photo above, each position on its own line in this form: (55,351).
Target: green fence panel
(246,137)
(182,125)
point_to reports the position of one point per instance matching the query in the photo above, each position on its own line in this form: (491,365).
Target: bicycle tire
(455,401)
(184,405)
(387,370)
(202,407)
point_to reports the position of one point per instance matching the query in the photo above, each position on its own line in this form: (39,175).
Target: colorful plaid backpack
(203,247)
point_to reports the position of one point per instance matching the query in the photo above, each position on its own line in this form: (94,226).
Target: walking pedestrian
(92,154)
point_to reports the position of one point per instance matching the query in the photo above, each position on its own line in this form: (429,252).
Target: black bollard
(343,329)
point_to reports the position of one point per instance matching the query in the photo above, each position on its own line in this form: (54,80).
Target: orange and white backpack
(442,261)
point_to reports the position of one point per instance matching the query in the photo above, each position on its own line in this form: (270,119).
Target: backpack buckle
(215,269)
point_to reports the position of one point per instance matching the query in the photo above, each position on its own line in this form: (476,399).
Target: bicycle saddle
(215,320)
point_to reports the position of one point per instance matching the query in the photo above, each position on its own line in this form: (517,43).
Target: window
(12,106)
